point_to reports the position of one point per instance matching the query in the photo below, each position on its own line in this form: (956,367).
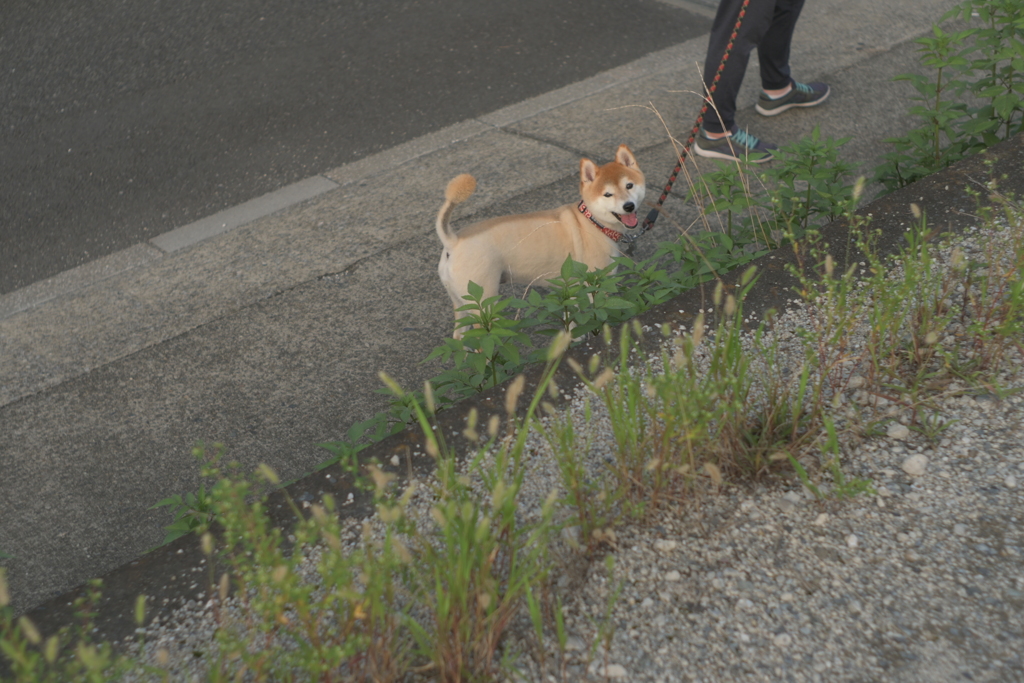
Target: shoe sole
(712,154)
(786,107)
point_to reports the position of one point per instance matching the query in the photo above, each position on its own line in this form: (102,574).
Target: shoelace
(745,139)
(803,87)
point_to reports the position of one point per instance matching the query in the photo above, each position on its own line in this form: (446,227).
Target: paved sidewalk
(269,336)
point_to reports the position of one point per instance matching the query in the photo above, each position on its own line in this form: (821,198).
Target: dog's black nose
(629,207)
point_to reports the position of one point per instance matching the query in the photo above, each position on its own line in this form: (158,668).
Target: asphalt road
(124,119)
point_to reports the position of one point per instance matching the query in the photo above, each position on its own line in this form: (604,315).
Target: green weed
(979,64)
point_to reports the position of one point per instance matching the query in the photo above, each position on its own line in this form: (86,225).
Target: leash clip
(627,243)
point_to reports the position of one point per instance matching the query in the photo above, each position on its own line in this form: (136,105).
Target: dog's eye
(607,194)
(629,186)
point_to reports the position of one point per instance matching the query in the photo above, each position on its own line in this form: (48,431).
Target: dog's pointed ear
(588,171)
(624,156)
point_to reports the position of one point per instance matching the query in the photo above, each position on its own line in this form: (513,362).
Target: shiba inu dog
(530,248)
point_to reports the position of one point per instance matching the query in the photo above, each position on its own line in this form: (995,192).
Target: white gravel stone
(609,671)
(960,529)
(852,541)
(665,546)
(915,465)
(672,576)
(575,644)
(1010,482)
(783,640)
(897,431)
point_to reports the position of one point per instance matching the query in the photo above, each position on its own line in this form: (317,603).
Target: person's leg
(721,117)
(773,50)
(780,91)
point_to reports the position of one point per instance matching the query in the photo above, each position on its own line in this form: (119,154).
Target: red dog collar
(616,236)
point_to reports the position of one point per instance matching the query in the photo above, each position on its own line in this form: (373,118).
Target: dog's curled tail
(459,190)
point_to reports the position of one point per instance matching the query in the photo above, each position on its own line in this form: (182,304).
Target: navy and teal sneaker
(740,145)
(802,95)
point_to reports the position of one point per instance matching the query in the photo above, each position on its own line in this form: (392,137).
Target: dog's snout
(629,207)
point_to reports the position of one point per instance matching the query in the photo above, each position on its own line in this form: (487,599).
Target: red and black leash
(653,214)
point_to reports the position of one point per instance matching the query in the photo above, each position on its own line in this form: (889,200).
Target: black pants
(768,25)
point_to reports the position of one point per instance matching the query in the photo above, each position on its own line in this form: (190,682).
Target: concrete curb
(237,216)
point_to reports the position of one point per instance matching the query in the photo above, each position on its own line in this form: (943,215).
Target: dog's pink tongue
(628,219)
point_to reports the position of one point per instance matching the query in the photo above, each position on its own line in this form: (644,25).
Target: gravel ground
(922,581)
